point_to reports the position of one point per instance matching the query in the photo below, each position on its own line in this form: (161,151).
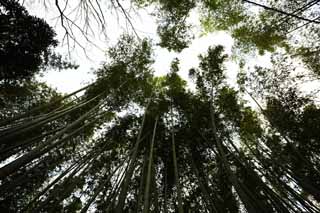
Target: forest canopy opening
(134,141)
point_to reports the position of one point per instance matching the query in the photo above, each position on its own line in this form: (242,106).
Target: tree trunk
(203,187)
(16,164)
(245,199)
(176,174)
(150,163)
(128,175)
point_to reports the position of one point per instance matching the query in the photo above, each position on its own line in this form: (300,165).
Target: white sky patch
(189,58)
(67,81)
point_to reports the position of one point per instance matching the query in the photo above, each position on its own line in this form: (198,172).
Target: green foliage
(211,70)
(252,27)
(25,41)
(16,100)
(56,61)
(310,57)
(136,142)
(258,37)
(173,30)
(250,127)
(26,44)
(221,15)
(127,75)
(87,164)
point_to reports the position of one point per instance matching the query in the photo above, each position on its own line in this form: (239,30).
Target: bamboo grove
(133,142)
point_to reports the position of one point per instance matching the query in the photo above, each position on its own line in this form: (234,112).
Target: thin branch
(280,11)
(126,15)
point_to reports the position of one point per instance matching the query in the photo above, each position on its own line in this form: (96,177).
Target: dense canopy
(133,141)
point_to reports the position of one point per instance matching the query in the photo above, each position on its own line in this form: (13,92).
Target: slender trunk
(46,118)
(215,198)
(283,135)
(9,151)
(99,189)
(232,178)
(36,119)
(270,176)
(76,166)
(116,189)
(148,180)
(155,191)
(303,202)
(176,174)
(11,127)
(175,165)
(277,203)
(22,180)
(128,175)
(39,122)
(16,164)
(57,195)
(203,187)
(33,202)
(142,180)
(30,112)
(165,202)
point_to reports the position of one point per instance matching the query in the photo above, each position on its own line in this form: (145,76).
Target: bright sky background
(70,80)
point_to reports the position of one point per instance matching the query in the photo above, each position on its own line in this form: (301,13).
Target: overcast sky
(69,80)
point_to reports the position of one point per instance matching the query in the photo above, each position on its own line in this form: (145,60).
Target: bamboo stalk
(148,180)
(127,178)
(16,164)
(175,166)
